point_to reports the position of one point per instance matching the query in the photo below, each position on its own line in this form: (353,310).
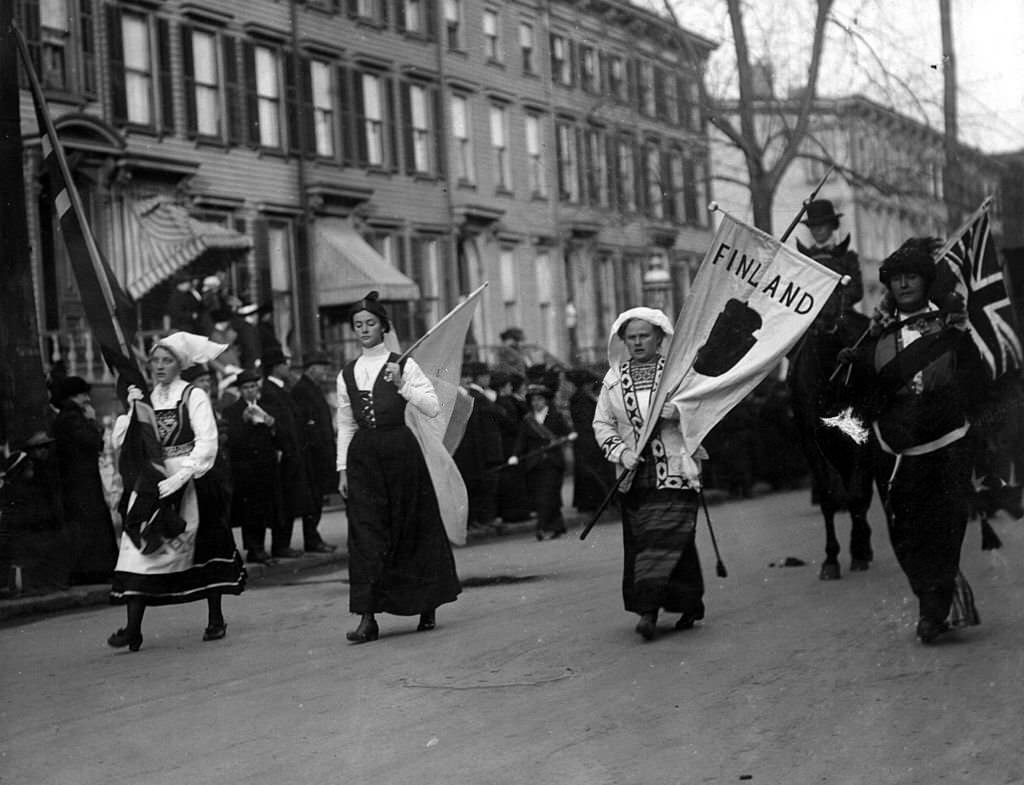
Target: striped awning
(347,267)
(163,238)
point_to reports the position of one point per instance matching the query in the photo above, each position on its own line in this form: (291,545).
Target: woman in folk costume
(659,501)
(175,547)
(923,381)
(400,560)
(542,432)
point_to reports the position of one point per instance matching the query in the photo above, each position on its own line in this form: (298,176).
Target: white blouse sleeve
(345,423)
(120,429)
(204,428)
(418,390)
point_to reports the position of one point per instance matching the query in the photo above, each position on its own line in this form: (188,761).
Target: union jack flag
(971,258)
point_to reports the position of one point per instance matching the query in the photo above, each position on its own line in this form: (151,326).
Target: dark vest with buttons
(380,407)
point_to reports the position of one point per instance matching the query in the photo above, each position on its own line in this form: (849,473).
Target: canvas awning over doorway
(347,267)
(163,238)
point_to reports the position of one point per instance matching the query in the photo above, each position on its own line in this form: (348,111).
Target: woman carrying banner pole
(176,546)
(400,559)
(659,501)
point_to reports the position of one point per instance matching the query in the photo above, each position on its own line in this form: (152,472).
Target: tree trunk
(762,196)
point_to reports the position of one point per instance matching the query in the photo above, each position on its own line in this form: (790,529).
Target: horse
(841,469)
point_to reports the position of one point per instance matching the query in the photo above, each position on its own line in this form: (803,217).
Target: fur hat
(916,255)
(539,389)
(513,333)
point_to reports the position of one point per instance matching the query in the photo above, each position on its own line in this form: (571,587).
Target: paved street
(536,676)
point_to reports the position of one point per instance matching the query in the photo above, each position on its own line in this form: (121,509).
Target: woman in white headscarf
(176,546)
(659,500)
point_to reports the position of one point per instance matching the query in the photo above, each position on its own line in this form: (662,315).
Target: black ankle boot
(427,622)
(123,638)
(366,631)
(647,626)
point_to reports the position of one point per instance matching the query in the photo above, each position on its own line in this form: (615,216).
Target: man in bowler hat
(317,444)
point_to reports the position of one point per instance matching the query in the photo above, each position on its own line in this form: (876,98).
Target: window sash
(268,96)
(138,69)
(323,107)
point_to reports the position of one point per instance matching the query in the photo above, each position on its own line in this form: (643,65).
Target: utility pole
(952,174)
(23,394)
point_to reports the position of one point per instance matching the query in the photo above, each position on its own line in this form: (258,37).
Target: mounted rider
(823,223)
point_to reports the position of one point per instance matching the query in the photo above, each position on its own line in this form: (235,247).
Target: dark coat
(183,310)
(253,449)
(481,446)
(316,433)
(248,342)
(296,493)
(533,436)
(79,442)
(842,259)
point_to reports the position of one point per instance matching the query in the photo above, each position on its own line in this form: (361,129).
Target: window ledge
(466,185)
(504,191)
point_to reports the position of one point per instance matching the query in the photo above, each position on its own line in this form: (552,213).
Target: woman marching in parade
(176,546)
(659,506)
(400,560)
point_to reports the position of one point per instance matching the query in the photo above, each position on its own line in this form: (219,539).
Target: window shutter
(87,25)
(261,258)
(436,127)
(383,4)
(27,16)
(689,189)
(560,162)
(391,120)
(306,94)
(291,103)
(668,198)
(252,103)
(352,8)
(430,9)
(612,166)
(407,133)
(581,167)
(359,115)
(604,85)
(574,65)
(346,116)
(188,69)
(115,59)
(660,105)
(399,15)
(640,176)
(631,88)
(165,76)
(233,92)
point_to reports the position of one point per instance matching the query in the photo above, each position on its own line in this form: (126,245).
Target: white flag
(749,304)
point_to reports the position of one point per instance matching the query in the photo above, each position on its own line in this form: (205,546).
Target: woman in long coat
(592,475)
(176,546)
(79,441)
(659,501)
(400,560)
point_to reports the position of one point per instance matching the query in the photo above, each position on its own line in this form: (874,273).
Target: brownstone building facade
(310,151)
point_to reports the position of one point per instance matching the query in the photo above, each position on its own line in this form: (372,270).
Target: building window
(675,202)
(617,78)
(462,131)
(568,163)
(590,75)
(268,96)
(655,182)
(370,11)
(61,43)
(509,285)
(526,47)
(138,69)
(492,35)
(597,168)
(373,119)
(671,102)
(415,21)
(55,29)
(280,254)
(535,153)
(689,99)
(205,85)
(645,88)
(499,148)
(561,63)
(626,177)
(545,299)
(426,271)
(322,87)
(453,23)
(420,130)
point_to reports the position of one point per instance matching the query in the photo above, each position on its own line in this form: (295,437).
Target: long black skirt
(400,560)
(661,569)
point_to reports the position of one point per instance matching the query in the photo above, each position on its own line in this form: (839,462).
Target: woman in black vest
(400,560)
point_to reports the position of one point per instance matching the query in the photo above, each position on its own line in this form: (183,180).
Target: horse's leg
(861,554)
(830,567)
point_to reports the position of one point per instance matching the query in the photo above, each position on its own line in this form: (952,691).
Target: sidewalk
(333,528)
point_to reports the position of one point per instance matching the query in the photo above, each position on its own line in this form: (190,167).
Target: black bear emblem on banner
(731,337)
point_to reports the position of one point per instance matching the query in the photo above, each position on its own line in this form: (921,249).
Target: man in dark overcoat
(480,452)
(254,449)
(317,444)
(296,494)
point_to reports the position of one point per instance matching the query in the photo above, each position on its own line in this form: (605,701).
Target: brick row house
(310,151)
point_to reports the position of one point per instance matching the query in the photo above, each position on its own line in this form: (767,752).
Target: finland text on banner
(971,256)
(108,310)
(750,302)
(439,355)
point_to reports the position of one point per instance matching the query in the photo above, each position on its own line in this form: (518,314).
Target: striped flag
(971,257)
(109,311)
